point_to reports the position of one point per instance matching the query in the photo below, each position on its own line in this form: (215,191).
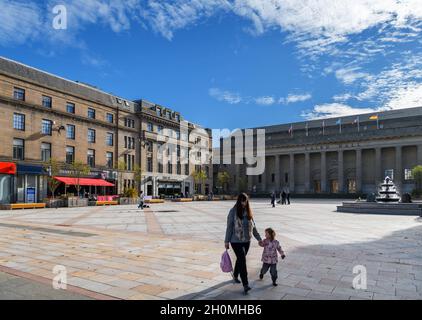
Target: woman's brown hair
(271,232)
(239,209)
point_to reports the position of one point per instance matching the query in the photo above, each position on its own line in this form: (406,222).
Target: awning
(7,168)
(84,182)
(28,169)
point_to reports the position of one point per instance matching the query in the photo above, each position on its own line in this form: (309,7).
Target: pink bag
(226,262)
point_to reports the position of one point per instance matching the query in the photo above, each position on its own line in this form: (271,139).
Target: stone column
(292,173)
(358,170)
(277,173)
(398,172)
(378,166)
(307,172)
(419,154)
(323,171)
(340,171)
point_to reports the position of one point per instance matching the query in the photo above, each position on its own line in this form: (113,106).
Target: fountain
(388,192)
(386,202)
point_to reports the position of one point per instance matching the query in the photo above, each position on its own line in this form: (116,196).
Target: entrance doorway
(351,186)
(317,186)
(333,186)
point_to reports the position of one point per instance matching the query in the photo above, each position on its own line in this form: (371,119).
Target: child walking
(270,256)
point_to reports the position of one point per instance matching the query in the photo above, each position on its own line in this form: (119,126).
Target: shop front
(31,184)
(7,173)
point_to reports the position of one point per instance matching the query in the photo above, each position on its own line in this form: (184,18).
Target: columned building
(349,155)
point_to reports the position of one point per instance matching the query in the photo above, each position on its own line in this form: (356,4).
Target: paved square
(173,250)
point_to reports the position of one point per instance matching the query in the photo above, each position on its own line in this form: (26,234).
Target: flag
(291,130)
(323,127)
(339,123)
(375,117)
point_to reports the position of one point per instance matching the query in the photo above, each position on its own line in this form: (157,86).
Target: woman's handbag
(226,262)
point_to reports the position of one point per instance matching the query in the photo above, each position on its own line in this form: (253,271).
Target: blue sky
(230,63)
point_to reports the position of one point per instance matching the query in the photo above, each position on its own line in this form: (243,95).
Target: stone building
(348,155)
(44,116)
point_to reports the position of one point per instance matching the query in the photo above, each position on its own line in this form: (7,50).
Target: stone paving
(173,250)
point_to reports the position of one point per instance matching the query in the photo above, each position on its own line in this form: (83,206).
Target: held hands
(226,245)
(283,256)
(261,243)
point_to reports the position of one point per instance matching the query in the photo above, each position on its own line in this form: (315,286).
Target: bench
(154,201)
(107,203)
(17,206)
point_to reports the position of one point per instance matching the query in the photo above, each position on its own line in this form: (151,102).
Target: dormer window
(119,101)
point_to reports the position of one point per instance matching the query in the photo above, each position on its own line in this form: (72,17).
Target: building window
(133,143)
(158,111)
(18,149)
(91,113)
(160,129)
(46,101)
(408,174)
(149,147)
(179,168)
(70,107)
(110,118)
(91,158)
(91,135)
(133,123)
(46,127)
(177,135)
(177,118)
(125,141)
(150,127)
(170,168)
(272,177)
(45,151)
(109,139)
(187,169)
(109,160)
(160,167)
(168,115)
(70,131)
(149,164)
(19,94)
(70,155)
(19,121)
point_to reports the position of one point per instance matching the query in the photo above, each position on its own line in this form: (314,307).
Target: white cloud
(406,97)
(342,97)
(334,110)
(265,101)
(350,75)
(224,95)
(19,21)
(293,98)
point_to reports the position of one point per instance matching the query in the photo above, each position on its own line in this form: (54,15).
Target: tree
(199,176)
(77,171)
(53,167)
(121,168)
(417,175)
(223,179)
(138,177)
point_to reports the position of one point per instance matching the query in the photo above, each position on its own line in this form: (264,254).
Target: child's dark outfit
(270,258)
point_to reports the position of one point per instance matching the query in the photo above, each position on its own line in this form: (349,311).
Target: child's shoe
(261,276)
(275,284)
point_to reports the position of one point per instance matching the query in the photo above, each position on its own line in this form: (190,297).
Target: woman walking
(240,228)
